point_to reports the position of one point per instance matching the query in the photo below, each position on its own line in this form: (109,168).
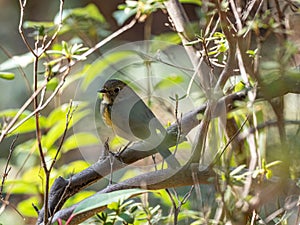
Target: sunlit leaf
(58,129)
(52,84)
(239,86)
(7,75)
(60,113)
(73,167)
(26,208)
(90,11)
(79,140)
(35,24)
(22,187)
(104,199)
(27,126)
(169,81)
(196,2)
(237,170)
(78,197)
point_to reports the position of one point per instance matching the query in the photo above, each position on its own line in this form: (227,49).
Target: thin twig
(6,171)
(61,199)
(7,168)
(217,158)
(174,206)
(22,7)
(69,117)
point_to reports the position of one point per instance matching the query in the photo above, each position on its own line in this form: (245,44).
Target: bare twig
(217,158)
(22,8)
(69,117)
(6,171)
(7,168)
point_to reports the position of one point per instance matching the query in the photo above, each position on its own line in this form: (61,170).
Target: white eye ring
(117,89)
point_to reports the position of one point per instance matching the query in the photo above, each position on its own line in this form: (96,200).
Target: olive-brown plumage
(130,118)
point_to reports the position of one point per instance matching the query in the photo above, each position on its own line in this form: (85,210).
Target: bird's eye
(116,90)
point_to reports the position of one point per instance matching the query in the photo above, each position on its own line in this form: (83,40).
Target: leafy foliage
(247,143)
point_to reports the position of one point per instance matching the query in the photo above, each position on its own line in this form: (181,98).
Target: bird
(130,118)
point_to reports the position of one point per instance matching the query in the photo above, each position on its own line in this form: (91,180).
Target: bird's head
(111,89)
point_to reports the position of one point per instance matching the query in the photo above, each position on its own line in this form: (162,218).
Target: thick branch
(157,180)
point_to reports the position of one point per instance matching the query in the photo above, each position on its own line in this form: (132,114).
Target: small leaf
(239,86)
(128,219)
(52,84)
(35,24)
(7,76)
(196,2)
(114,206)
(269,174)
(237,170)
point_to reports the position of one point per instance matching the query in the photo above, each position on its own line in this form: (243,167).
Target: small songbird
(129,117)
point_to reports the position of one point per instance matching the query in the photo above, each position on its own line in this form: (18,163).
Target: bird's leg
(154,161)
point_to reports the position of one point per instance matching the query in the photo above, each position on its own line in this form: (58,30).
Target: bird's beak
(103,90)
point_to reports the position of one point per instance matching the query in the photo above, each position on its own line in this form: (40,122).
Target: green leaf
(129,219)
(239,86)
(104,63)
(25,127)
(60,113)
(79,197)
(73,167)
(79,140)
(237,170)
(196,2)
(22,187)
(104,199)
(164,41)
(7,76)
(91,11)
(115,206)
(169,81)
(35,24)
(52,84)
(58,129)
(26,208)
